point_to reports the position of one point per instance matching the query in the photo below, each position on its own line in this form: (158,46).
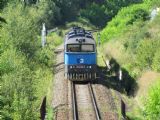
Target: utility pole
(99,39)
(43,35)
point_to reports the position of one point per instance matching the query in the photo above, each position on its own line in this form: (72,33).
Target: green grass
(100,56)
(50,112)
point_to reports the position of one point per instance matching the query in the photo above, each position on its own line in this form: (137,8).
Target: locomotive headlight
(89,67)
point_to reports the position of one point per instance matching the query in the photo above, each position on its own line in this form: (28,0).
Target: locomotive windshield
(80,48)
(87,48)
(73,48)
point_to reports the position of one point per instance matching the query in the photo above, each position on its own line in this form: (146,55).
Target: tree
(3,4)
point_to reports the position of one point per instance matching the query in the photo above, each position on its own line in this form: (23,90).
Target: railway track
(74,102)
(92,110)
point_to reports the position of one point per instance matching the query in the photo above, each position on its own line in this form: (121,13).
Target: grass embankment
(132,40)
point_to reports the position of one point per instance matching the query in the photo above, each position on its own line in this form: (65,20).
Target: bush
(146,52)
(101,12)
(118,24)
(95,14)
(139,14)
(156,61)
(44,56)
(20,29)
(17,90)
(152,103)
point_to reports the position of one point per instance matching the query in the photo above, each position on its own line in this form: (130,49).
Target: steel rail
(98,117)
(74,102)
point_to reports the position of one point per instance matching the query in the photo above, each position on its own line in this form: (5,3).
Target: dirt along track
(105,102)
(62,97)
(60,91)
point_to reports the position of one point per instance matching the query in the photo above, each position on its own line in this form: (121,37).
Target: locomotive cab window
(80,48)
(73,48)
(87,48)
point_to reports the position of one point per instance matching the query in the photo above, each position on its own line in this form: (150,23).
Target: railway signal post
(43,35)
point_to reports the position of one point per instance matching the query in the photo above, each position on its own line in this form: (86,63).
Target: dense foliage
(25,68)
(131,14)
(137,35)
(136,39)
(99,13)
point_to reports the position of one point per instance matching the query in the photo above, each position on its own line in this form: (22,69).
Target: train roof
(79,32)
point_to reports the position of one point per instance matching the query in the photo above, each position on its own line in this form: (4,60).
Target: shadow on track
(110,79)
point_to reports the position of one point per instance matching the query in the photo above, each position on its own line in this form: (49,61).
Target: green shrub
(152,103)
(118,24)
(95,14)
(146,52)
(10,60)
(152,3)
(139,14)
(16,79)
(156,61)
(99,13)
(20,30)
(44,56)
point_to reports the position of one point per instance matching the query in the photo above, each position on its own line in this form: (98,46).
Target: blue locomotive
(80,55)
